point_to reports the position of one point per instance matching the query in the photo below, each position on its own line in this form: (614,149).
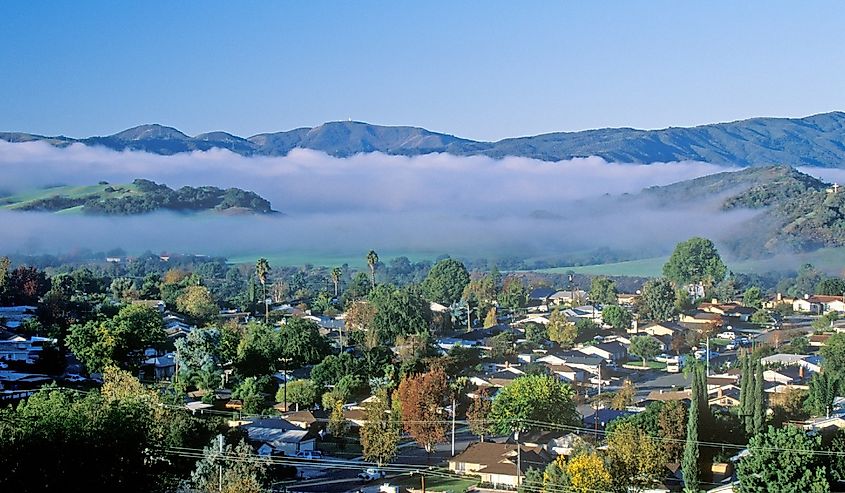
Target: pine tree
(759,405)
(690,461)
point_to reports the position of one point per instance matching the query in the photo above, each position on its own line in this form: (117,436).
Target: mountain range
(817,140)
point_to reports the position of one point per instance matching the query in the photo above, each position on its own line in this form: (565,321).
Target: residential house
(667,395)
(447,343)
(159,367)
(600,418)
(789,375)
(661,329)
(565,445)
(14,316)
(627,299)
(733,310)
(307,419)
(778,299)
(613,353)
(157,305)
(18,348)
(725,396)
(575,360)
(505,376)
(818,340)
(811,362)
(819,304)
(701,317)
(567,297)
(496,463)
(589,312)
(277,436)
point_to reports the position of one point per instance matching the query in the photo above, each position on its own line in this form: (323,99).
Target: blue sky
(477,69)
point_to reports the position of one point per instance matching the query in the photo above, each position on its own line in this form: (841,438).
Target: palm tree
(262,268)
(372,261)
(336,273)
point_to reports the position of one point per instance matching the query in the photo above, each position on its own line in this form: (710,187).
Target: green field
(830,260)
(13,202)
(434,483)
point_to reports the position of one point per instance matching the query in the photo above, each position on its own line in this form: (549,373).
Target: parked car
(730,346)
(309,454)
(728,334)
(73,377)
(371,474)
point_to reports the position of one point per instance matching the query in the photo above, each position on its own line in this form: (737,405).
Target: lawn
(652,365)
(434,483)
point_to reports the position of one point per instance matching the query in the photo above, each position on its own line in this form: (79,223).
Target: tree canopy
(446,282)
(531,400)
(695,261)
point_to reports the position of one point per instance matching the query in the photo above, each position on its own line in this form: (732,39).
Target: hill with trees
(139,197)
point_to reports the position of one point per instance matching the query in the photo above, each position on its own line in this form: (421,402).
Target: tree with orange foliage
(423,398)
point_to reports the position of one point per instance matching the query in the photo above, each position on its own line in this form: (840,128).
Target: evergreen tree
(745,390)
(759,405)
(690,460)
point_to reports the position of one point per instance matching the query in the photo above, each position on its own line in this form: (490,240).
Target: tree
(532,482)
(746,390)
(753,297)
(617,316)
(234,469)
(198,358)
(422,398)
(337,272)
(761,317)
(120,340)
(490,319)
(382,431)
(299,392)
(535,333)
(250,395)
(691,453)
(5,266)
(783,460)
(646,347)
(301,341)
(833,353)
(262,270)
(530,400)
(603,290)
(338,426)
(671,422)
(657,301)
(624,397)
(695,261)
(478,412)
(123,288)
(446,282)
(587,473)
(635,459)
(831,286)
(514,294)
(198,303)
(372,262)
(555,477)
(824,388)
(759,410)
(258,350)
(561,330)
(399,311)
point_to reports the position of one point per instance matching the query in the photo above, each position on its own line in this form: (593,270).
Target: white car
(309,454)
(726,335)
(371,474)
(73,377)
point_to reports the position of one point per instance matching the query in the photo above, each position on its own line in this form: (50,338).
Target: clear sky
(477,69)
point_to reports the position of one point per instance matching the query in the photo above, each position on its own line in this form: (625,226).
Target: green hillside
(138,197)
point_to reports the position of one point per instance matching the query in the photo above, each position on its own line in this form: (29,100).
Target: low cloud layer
(473,206)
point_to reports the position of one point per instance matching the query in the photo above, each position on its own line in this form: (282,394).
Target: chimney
(780,296)
(801,372)
(714,301)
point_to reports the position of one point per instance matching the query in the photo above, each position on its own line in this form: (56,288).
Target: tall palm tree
(262,268)
(372,261)
(336,273)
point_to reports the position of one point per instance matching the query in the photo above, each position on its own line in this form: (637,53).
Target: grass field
(21,200)
(831,260)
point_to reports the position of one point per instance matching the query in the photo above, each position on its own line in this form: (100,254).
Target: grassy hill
(138,197)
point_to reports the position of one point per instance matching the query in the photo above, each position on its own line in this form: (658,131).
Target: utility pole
(707,346)
(518,459)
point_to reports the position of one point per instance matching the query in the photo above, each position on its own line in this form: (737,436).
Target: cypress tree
(690,460)
(746,387)
(759,405)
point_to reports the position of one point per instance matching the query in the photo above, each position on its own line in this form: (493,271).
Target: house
(447,343)
(789,375)
(600,418)
(567,297)
(702,317)
(808,361)
(496,463)
(566,373)
(307,419)
(589,312)
(277,436)
(18,348)
(564,445)
(667,395)
(733,310)
(575,360)
(726,396)
(661,329)
(505,376)
(818,340)
(611,352)
(819,304)
(541,294)
(777,300)
(157,305)
(627,299)
(160,367)
(15,316)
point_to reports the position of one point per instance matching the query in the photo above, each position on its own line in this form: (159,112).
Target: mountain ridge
(815,140)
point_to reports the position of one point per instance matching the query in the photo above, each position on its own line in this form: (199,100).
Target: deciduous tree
(446,282)
(422,398)
(783,460)
(695,261)
(530,400)
(382,431)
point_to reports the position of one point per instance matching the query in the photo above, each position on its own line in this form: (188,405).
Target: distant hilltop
(139,197)
(817,140)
